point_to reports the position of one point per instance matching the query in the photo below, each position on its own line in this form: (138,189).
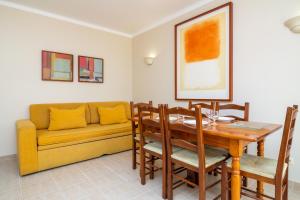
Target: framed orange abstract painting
(57,66)
(203,56)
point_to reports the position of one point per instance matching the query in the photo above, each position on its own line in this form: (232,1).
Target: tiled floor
(105,178)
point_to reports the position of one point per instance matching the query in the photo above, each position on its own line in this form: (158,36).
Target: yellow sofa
(39,149)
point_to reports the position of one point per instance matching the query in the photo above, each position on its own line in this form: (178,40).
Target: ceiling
(128,17)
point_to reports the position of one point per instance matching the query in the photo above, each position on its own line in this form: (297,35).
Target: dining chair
(235,107)
(134,125)
(268,170)
(242,116)
(207,106)
(192,156)
(154,131)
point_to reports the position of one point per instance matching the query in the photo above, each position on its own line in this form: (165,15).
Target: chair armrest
(27,147)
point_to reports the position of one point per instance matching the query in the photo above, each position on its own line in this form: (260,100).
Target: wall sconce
(149,60)
(293,24)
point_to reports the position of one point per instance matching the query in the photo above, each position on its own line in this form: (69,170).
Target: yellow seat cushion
(157,147)
(92,131)
(67,118)
(211,157)
(112,115)
(258,165)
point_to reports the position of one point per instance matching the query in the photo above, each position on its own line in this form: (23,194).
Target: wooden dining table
(234,137)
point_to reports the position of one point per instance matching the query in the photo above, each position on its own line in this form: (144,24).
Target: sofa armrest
(27,147)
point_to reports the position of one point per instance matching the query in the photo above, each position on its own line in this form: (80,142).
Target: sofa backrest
(93,106)
(40,113)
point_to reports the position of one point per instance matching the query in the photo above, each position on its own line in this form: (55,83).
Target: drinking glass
(212,115)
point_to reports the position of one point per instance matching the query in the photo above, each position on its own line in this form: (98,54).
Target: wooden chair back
(134,109)
(286,141)
(204,107)
(151,128)
(178,133)
(244,108)
(134,126)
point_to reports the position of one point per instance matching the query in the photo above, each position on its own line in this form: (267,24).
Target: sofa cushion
(67,118)
(112,115)
(94,109)
(92,131)
(40,113)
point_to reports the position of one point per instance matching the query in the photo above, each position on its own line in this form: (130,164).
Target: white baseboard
(8,157)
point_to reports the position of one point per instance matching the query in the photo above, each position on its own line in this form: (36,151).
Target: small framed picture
(57,66)
(90,69)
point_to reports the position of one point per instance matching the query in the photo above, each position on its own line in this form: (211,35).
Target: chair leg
(142,166)
(170,180)
(216,172)
(164,178)
(133,154)
(224,182)
(201,186)
(228,186)
(278,192)
(286,192)
(245,181)
(152,159)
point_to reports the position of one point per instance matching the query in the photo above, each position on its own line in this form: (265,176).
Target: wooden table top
(240,130)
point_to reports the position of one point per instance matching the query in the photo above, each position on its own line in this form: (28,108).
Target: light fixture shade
(293,24)
(149,60)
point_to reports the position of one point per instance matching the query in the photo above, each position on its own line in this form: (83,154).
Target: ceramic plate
(193,122)
(225,119)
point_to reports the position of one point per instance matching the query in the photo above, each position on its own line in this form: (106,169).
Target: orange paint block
(202,41)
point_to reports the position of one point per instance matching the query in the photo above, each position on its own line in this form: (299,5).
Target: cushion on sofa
(46,137)
(40,113)
(112,115)
(67,118)
(93,107)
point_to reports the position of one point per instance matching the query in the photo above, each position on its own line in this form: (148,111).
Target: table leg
(235,179)
(260,152)
(236,151)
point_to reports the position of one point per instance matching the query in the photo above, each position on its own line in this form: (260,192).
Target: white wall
(266,65)
(22,37)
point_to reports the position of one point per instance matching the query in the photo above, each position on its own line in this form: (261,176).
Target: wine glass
(214,116)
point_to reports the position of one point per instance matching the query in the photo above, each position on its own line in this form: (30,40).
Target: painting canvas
(57,66)
(203,56)
(90,69)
